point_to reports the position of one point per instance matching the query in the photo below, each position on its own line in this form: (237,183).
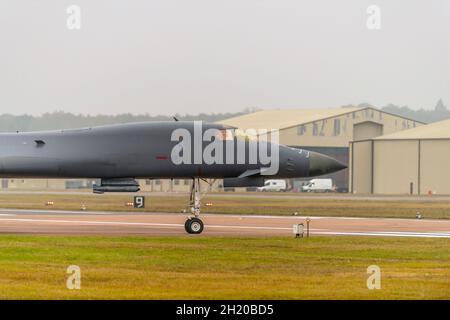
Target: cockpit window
(225,134)
(250,135)
(230,134)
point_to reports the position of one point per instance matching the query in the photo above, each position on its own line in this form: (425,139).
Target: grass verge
(237,205)
(34,267)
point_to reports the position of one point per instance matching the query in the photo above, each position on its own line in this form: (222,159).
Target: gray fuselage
(138,150)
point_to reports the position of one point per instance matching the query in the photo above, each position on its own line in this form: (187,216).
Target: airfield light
(308,220)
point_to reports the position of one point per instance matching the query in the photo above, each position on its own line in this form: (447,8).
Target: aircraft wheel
(193,226)
(186,225)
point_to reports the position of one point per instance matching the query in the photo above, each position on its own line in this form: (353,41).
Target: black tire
(187,226)
(194,226)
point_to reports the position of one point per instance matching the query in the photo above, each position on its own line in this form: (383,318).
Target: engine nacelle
(243,182)
(117,185)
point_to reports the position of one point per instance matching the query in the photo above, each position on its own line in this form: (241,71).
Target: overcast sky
(179,56)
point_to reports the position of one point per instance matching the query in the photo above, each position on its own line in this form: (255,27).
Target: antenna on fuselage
(176,119)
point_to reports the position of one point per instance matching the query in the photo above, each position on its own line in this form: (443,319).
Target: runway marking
(94,222)
(443,234)
(144,224)
(388,234)
(77,212)
(255,227)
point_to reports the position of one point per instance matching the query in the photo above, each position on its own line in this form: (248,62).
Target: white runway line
(302,217)
(254,228)
(388,234)
(143,224)
(96,222)
(443,234)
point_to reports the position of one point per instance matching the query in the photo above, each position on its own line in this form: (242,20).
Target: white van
(318,185)
(274,185)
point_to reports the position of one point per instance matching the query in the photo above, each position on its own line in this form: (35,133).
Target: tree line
(65,120)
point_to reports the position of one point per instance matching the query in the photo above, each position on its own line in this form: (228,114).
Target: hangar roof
(436,130)
(277,119)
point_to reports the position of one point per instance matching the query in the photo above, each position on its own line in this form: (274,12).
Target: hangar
(326,130)
(414,161)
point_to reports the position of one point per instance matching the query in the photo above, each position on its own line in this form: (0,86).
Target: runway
(17,221)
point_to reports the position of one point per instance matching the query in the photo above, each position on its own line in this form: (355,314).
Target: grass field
(237,204)
(34,267)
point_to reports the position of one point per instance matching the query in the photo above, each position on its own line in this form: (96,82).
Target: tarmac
(18,221)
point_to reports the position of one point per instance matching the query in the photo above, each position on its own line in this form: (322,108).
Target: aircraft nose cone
(320,164)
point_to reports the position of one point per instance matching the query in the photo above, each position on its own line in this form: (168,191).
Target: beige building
(158,185)
(33,184)
(45,184)
(174,185)
(327,131)
(414,161)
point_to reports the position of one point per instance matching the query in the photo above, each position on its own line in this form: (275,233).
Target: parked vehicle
(318,185)
(273,185)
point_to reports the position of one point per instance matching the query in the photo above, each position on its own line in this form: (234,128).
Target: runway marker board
(139,202)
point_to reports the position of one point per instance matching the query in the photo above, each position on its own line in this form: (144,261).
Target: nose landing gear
(194,225)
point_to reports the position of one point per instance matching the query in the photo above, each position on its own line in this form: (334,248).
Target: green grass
(238,204)
(187,267)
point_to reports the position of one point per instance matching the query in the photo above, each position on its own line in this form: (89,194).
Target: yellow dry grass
(237,204)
